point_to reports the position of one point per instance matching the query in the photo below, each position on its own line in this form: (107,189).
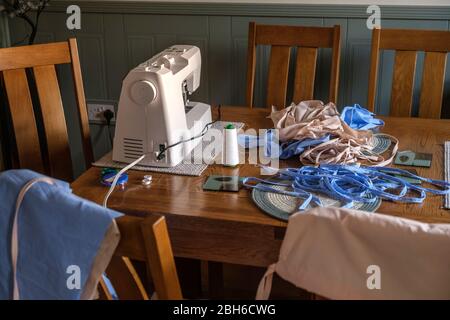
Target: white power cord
(116,178)
(160,155)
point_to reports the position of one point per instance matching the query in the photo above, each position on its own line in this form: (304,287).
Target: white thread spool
(230,150)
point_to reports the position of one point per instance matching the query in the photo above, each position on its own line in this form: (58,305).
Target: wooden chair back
(406,43)
(281,38)
(146,240)
(49,154)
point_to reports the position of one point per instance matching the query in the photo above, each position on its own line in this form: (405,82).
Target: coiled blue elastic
(349,183)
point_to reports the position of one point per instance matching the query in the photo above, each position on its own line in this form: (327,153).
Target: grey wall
(116,36)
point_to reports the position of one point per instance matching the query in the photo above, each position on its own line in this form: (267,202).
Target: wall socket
(95,112)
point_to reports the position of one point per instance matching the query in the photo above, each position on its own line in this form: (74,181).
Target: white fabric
(328,251)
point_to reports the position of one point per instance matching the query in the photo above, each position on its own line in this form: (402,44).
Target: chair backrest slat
(305,73)
(144,239)
(278,76)
(130,286)
(294,36)
(160,257)
(41,59)
(23,120)
(81,103)
(54,122)
(307,40)
(373,74)
(403,83)
(36,55)
(335,64)
(415,40)
(406,43)
(432,90)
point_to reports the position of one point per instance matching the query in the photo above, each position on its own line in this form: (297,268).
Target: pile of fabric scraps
(319,134)
(349,183)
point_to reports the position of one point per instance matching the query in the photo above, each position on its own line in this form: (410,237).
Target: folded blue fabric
(271,147)
(360,118)
(296,147)
(56,230)
(267,141)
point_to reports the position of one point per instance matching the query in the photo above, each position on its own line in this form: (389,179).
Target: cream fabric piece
(105,253)
(313,119)
(328,251)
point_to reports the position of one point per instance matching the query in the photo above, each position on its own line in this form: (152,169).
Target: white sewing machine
(154,112)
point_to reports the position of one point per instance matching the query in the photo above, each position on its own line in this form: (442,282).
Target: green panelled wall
(116,36)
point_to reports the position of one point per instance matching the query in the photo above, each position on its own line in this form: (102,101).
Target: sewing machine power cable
(135,162)
(203,132)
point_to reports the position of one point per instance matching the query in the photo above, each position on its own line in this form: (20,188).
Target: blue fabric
(296,147)
(360,118)
(56,229)
(271,147)
(268,141)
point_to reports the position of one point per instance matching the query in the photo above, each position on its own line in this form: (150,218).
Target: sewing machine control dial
(143,92)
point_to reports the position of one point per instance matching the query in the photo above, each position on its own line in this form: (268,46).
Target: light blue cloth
(271,147)
(56,230)
(296,147)
(268,141)
(360,118)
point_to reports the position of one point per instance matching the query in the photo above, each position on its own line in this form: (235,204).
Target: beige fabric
(101,261)
(313,119)
(330,252)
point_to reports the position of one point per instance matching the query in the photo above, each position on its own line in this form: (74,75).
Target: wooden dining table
(228,227)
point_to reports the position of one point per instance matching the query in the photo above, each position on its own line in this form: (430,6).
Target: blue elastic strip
(349,183)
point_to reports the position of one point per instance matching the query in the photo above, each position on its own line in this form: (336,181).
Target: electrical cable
(108,114)
(116,178)
(135,162)
(202,133)
(110,135)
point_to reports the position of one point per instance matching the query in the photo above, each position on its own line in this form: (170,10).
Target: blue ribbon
(349,183)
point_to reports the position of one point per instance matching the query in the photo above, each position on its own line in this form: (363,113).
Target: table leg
(215,280)
(189,274)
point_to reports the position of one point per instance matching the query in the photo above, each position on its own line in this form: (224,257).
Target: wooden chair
(281,39)
(436,45)
(147,240)
(49,154)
